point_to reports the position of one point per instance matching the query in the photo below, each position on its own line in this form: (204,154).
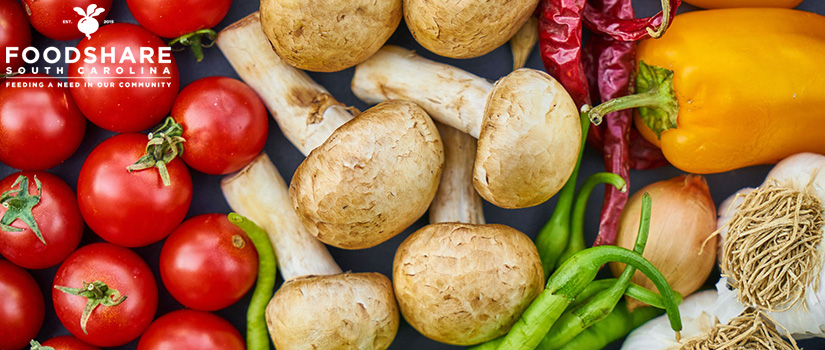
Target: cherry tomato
(56,216)
(111,102)
(208,263)
(121,270)
(190,329)
(224,124)
(14,32)
(66,342)
(171,19)
(22,308)
(58,19)
(131,209)
(40,125)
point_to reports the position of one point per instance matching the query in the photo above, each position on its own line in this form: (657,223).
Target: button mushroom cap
(372,178)
(346,311)
(529,142)
(328,35)
(464,284)
(465,28)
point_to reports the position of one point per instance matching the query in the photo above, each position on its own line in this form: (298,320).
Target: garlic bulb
(683,216)
(698,314)
(803,313)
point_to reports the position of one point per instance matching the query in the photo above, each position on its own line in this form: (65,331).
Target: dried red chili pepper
(560,42)
(610,65)
(629,28)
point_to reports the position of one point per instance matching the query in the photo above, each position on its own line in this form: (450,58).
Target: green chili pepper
(573,322)
(569,280)
(551,241)
(618,324)
(634,291)
(576,240)
(257,336)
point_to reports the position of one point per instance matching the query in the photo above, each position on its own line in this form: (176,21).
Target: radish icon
(88,25)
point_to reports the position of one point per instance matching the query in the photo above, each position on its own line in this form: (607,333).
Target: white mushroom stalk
(450,95)
(382,168)
(259,193)
(456,199)
(771,248)
(527,108)
(304,110)
(313,281)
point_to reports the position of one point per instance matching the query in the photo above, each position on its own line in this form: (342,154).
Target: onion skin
(683,216)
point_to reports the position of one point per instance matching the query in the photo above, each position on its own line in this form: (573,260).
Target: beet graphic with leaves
(88,24)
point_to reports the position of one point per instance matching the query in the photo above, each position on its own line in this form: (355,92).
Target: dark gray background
(208,197)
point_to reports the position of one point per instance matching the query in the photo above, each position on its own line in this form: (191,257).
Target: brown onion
(683,217)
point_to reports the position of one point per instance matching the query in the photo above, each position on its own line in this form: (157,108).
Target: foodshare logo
(88,24)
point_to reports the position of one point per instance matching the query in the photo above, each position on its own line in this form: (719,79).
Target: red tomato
(120,269)
(224,124)
(208,263)
(58,19)
(14,32)
(171,19)
(131,209)
(190,329)
(40,125)
(22,308)
(107,102)
(56,216)
(68,342)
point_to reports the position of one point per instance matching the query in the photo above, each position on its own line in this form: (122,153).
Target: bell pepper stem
(656,102)
(576,242)
(553,237)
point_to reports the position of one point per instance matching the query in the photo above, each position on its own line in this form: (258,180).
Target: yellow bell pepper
(726,89)
(720,4)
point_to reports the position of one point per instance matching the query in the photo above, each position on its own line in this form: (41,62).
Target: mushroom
(306,113)
(373,178)
(370,177)
(442,272)
(527,125)
(328,35)
(336,310)
(465,28)
(317,307)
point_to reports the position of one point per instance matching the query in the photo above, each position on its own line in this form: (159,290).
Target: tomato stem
(35,345)
(98,293)
(196,41)
(19,204)
(165,143)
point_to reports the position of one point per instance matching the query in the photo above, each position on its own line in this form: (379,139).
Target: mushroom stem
(448,94)
(259,193)
(306,113)
(457,199)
